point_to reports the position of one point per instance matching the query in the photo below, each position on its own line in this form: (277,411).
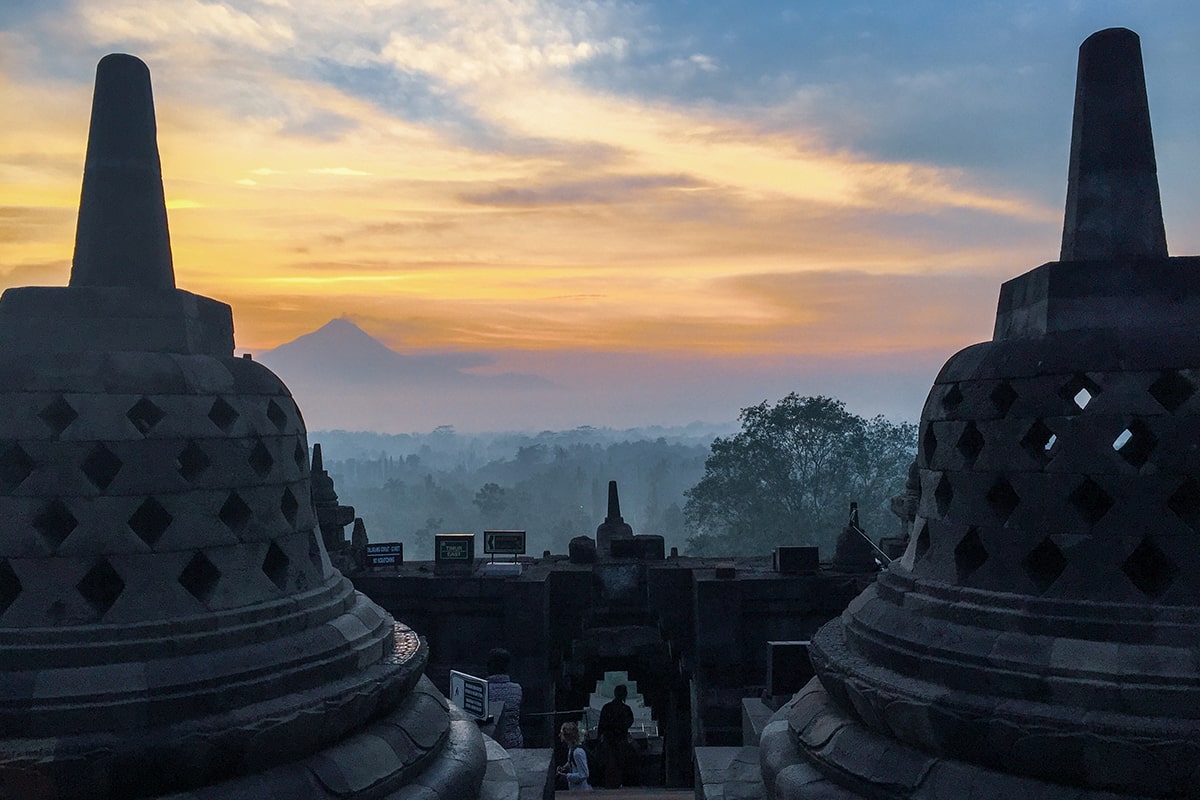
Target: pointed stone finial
(1113,205)
(121,238)
(613,527)
(316,458)
(614,504)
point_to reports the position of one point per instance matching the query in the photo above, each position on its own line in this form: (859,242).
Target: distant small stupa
(614,525)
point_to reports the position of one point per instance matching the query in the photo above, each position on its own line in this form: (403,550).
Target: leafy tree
(789,474)
(490,499)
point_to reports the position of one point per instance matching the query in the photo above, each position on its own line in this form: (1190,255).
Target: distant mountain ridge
(342,377)
(340,350)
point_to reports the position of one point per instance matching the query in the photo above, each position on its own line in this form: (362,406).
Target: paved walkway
(632,793)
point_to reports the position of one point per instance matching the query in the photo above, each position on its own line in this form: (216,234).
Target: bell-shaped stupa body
(1041,635)
(169,618)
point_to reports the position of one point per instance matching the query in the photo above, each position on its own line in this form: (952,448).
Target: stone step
(500,781)
(723,772)
(634,793)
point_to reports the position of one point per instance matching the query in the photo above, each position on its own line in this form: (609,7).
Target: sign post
(469,693)
(453,553)
(504,543)
(385,554)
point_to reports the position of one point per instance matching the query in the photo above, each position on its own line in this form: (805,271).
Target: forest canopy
(789,475)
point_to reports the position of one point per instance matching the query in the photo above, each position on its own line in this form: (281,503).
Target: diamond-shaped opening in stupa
(969,554)
(15,465)
(200,577)
(235,513)
(1003,397)
(58,414)
(1039,442)
(222,415)
(1090,500)
(144,415)
(101,466)
(1135,443)
(55,522)
(275,566)
(1185,503)
(10,585)
(929,445)
(970,443)
(150,521)
(1044,564)
(101,586)
(1079,392)
(1150,569)
(260,459)
(953,398)
(191,462)
(276,415)
(943,495)
(288,506)
(1002,499)
(1172,390)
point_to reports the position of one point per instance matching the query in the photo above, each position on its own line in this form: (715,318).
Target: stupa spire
(1113,206)
(614,504)
(121,238)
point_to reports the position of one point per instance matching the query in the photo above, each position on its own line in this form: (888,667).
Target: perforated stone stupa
(169,618)
(1041,635)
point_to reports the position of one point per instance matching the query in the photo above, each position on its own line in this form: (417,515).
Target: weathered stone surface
(1113,206)
(122,238)
(1038,637)
(614,525)
(169,617)
(728,773)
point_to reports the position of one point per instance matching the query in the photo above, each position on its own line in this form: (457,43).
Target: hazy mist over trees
(553,484)
(786,477)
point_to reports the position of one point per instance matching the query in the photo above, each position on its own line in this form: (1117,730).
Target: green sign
(454,547)
(508,543)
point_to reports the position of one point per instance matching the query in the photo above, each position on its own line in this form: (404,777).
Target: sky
(691,206)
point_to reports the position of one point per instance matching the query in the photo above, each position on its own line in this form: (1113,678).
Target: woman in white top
(575,770)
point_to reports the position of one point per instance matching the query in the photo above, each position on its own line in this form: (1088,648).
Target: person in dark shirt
(503,688)
(615,719)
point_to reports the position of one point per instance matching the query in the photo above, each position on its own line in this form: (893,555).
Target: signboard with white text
(504,543)
(469,693)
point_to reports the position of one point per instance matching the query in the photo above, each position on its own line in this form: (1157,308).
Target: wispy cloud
(458,163)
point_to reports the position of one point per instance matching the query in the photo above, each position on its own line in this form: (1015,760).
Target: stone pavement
(634,793)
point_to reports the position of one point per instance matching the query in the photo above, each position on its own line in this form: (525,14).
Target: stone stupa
(170,623)
(1040,637)
(614,525)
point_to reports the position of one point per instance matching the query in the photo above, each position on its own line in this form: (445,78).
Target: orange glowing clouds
(514,206)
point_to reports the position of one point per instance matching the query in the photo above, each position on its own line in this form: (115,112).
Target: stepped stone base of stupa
(814,750)
(426,749)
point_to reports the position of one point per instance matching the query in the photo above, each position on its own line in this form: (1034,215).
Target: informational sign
(385,554)
(504,543)
(469,693)
(454,548)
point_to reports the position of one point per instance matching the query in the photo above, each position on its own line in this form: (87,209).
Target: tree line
(785,477)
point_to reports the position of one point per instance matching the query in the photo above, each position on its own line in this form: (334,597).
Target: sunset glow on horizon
(536,176)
